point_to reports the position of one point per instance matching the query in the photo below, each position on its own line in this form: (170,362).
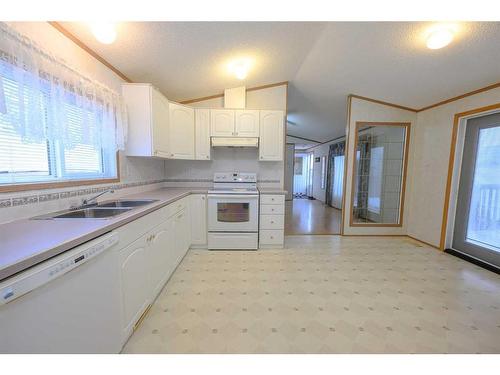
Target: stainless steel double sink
(102,210)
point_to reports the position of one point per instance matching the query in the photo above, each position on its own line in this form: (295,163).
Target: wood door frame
(476,112)
(407,127)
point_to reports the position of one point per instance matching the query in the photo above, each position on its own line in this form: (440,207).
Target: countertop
(275,191)
(24,243)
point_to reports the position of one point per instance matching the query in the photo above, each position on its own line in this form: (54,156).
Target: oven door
(233,213)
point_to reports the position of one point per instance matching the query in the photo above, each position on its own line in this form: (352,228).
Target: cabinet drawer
(272,209)
(177,206)
(271,237)
(272,199)
(272,221)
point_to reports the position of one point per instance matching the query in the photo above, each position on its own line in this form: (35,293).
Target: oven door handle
(237,196)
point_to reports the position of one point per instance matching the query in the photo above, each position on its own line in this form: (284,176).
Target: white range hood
(234,142)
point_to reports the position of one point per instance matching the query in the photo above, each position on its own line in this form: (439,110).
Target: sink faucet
(92,200)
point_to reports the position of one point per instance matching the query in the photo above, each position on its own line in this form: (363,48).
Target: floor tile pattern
(325,294)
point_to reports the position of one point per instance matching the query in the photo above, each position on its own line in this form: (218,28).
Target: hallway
(304,216)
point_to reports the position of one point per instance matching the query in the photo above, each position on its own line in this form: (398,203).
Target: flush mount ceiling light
(440,36)
(240,67)
(104,32)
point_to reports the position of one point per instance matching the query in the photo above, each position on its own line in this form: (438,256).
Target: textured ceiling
(324,62)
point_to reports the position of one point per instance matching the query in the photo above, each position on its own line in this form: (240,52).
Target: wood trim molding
(87,49)
(346,156)
(451,164)
(486,88)
(446,101)
(407,127)
(215,96)
(304,139)
(382,102)
(425,243)
(62,184)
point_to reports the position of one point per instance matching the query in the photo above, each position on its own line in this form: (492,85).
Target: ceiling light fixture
(440,36)
(104,32)
(240,68)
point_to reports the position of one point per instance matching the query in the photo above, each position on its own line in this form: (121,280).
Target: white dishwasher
(67,304)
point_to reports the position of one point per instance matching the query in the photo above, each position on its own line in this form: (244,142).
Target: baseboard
(473,260)
(425,243)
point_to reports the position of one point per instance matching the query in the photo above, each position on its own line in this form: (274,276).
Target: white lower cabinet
(147,263)
(272,221)
(198,210)
(134,283)
(182,235)
(159,259)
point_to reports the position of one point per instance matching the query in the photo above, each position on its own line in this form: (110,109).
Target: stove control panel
(235,177)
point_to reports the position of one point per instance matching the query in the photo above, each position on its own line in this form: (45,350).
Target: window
(376,177)
(323,172)
(55,124)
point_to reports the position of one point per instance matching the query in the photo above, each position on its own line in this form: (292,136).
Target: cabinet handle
(208,157)
(272,237)
(203,198)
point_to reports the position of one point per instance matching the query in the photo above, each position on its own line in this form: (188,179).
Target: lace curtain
(41,97)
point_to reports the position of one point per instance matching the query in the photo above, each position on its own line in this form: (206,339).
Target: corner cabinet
(272,126)
(202,134)
(181,132)
(148,120)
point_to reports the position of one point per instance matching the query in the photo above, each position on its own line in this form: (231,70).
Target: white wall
(432,138)
(362,110)
(200,173)
(131,169)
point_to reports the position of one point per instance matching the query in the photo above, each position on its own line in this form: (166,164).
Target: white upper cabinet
(202,134)
(148,117)
(271,135)
(181,132)
(222,123)
(246,123)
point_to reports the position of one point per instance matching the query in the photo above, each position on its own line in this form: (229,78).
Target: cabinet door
(182,235)
(246,123)
(198,214)
(271,135)
(160,124)
(160,263)
(181,132)
(202,134)
(135,285)
(221,122)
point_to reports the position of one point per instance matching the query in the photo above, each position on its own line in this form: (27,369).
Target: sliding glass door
(477,221)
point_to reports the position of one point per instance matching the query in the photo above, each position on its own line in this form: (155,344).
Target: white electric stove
(233,212)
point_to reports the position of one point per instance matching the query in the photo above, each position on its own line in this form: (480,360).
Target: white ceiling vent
(235,98)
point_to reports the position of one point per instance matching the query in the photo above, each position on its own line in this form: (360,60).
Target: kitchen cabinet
(198,210)
(202,134)
(222,123)
(272,221)
(182,237)
(234,123)
(148,120)
(134,282)
(246,123)
(181,132)
(271,135)
(159,255)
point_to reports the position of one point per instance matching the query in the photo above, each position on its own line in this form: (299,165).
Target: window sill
(55,185)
